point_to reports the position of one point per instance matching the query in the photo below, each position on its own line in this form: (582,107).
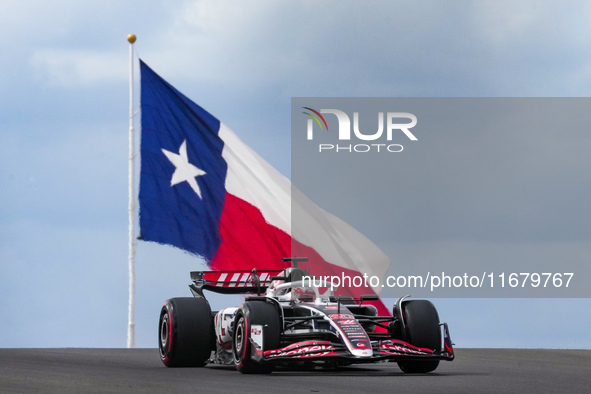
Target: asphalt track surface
(140,371)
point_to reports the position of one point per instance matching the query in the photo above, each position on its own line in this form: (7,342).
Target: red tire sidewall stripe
(169,333)
(245,338)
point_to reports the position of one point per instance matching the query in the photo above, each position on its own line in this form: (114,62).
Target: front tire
(255,313)
(422,330)
(186,334)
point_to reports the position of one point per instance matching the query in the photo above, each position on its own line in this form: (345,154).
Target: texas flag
(204,191)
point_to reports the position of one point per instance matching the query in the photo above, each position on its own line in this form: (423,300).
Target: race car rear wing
(232,282)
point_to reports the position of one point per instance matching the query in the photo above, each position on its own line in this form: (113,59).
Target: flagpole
(131,312)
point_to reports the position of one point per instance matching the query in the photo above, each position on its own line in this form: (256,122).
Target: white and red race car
(283,322)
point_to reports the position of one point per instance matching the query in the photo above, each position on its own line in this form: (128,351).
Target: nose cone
(361,352)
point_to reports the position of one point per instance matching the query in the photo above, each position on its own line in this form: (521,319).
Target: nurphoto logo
(391,124)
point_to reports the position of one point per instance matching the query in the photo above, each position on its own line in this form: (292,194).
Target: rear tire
(255,313)
(186,335)
(421,330)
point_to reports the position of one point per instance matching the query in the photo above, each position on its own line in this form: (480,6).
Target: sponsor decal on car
(304,351)
(256,334)
(390,347)
(340,316)
(236,278)
(316,354)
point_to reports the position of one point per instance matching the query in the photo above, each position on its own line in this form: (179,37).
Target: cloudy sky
(63,157)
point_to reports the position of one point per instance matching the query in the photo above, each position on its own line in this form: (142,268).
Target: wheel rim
(164,336)
(239,340)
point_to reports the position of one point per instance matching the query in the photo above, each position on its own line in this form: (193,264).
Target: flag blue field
(182,179)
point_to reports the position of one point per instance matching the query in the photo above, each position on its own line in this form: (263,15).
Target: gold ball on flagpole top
(131,38)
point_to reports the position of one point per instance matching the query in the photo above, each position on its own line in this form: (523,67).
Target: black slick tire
(252,313)
(421,329)
(186,335)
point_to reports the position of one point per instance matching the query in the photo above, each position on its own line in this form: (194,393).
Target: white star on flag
(185,171)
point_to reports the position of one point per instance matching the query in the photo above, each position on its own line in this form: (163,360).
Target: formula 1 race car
(287,321)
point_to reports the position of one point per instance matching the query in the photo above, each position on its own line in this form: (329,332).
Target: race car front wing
(387,349)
